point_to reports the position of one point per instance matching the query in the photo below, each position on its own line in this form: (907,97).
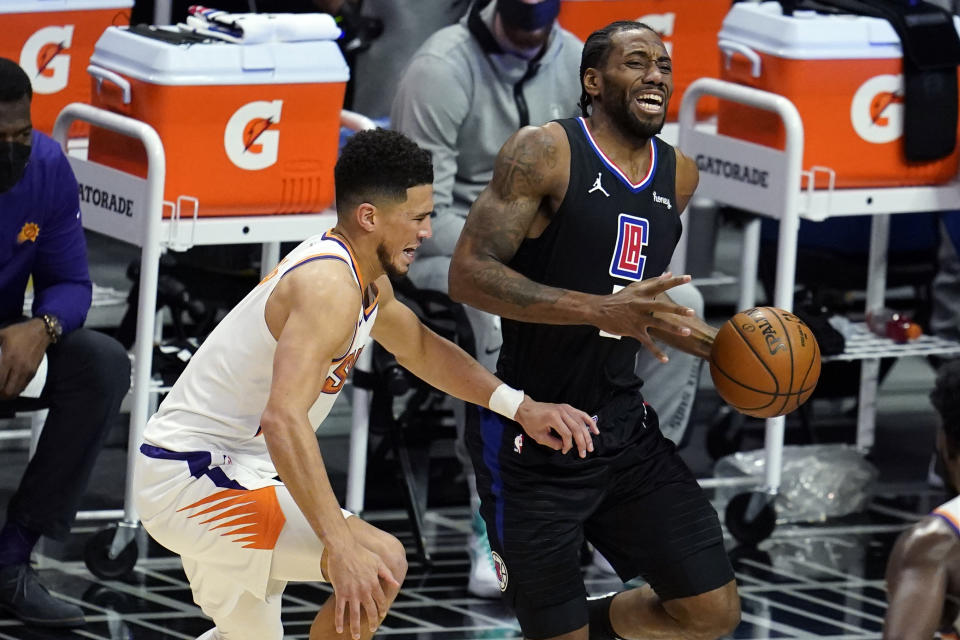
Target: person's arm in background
(61,283)
(61,277)
(430,105)
(917,581)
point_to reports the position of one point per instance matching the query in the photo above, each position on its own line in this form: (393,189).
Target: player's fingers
(578,432)
(564,434)
(665,282)
(385,574)
(652,347)
(355,618)
(338,612)
(588,420)
(372,611)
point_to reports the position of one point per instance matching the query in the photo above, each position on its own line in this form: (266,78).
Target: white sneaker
(483,582)
(210,635)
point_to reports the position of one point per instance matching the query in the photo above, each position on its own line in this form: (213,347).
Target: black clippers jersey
(607,233)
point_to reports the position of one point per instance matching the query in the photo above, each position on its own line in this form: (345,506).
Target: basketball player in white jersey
(231,477)
(923,572)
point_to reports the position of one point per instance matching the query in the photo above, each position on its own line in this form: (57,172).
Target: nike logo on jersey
(661,200)
(598,186)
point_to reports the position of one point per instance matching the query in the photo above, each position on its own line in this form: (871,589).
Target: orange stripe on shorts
(254,514)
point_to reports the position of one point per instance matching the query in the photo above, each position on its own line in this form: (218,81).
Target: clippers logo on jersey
(336,379)
(877,109)
(501,568)
(628,259)
(43,58)
(251,139)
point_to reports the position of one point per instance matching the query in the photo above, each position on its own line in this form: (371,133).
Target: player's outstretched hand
(558,426)
(629,312)
(355,574)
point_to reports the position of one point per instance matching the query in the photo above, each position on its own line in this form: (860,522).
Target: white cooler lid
(36,6)
(220,63)
(809,35)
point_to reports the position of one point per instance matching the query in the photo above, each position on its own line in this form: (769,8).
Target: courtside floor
(823,581)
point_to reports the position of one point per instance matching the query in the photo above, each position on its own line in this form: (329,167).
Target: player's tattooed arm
(688,177)
(529,170)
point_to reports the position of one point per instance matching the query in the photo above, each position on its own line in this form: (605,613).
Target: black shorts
(633,498)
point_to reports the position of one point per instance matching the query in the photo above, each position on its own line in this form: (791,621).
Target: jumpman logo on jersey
(597,186)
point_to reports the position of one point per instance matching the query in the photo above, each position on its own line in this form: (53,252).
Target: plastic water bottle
(891,324)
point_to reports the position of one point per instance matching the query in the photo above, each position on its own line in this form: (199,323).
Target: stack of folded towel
(257,28)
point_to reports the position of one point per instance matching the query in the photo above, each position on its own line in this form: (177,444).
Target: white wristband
(506,400)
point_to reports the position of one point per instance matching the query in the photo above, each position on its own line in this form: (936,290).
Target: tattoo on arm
(501,218)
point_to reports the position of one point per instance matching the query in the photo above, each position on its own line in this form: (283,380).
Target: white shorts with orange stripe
(241,536)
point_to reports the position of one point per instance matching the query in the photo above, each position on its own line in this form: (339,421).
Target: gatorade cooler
(688,28)
(53,40)
(845,76)
(247,129)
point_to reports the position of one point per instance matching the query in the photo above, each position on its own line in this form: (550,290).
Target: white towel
(258,28)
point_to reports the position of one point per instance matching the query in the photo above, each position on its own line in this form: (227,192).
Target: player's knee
(713,614)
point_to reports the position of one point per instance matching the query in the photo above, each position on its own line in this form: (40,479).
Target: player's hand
(630,311)
(355,574)
(21,350)
(558,426)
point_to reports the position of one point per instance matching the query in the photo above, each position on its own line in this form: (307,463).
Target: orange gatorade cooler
(844,74)
(688,28)
(248,129)
(53,40)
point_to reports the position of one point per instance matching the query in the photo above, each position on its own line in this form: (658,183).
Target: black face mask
(13,162)
(529,17)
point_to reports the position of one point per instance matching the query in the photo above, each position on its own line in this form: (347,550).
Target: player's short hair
(596,50)
(14,82)
(379,164)
(945,398)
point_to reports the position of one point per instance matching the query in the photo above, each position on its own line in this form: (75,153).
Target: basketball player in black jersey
(568,244)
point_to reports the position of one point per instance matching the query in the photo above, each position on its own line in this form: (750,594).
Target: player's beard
(618,104)
(392,270)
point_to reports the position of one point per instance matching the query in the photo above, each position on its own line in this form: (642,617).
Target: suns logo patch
(633,235)
(30,231)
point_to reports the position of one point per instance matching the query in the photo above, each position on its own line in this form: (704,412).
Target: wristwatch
(52,324)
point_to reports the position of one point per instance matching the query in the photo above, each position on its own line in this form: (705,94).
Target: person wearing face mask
(469,87)
(87,372)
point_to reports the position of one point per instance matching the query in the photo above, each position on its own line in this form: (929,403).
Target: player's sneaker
(483,582)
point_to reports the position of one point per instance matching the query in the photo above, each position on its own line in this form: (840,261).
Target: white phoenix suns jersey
(217,402)
(950,512)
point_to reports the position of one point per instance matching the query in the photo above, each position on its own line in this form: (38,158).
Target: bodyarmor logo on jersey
(598,186)
(518,443)
(336,379)
(628,259)
(44,60)
(251,139)
(501,568)
(661,200)
(877,109)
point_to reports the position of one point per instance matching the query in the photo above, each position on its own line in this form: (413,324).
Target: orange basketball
(765,362)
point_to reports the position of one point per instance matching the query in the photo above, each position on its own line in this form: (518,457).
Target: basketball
(765,362)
